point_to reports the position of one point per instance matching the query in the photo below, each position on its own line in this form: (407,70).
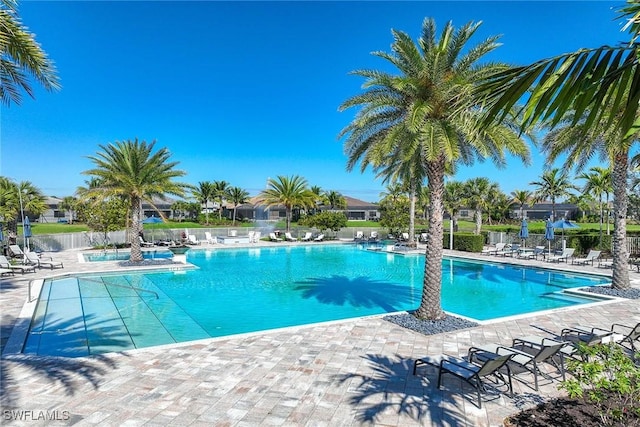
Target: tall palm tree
(290,192)
(521,198)
(598,90)
(130,169)
(237,196)
(478,194)
(220,189)
(427,119)
(204,193)
(597,182)
(334,199)
(21,57)
(18,198)
(553,184)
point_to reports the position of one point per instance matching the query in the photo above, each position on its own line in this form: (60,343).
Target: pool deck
(352,372)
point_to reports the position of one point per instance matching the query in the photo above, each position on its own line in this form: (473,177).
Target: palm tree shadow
(393,387)
(359,292)
(67,371)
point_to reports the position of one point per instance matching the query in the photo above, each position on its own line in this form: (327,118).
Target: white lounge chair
(307,236)
(5,264)
(373,236)
(590,258)
(564,256)
(359,236)
(289,238)
(320,238)
(531,254)
(493,250)
(256,237)
(274,238)
(144,243)
(42,262)
(212,240)
(191,240)
(15,251)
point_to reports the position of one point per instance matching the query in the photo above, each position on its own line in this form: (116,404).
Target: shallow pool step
(570,299)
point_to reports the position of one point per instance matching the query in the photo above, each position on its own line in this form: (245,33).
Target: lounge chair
(590,258)
(256,237)
(359,236)
(373,236)
(470,372)
(320,238)
(307,236)
(404,237)
(212,240)
(4,271)
(40,262)
(493,250)
(5,264)
(144,243)
(525,357)
(531,254)
(509,249)
(624,335)
(289,238)
(274,238)
(564,256)
(15,251)
(192,240)
(423,237)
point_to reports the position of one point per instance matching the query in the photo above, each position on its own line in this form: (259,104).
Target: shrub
(607,378)
(467,242)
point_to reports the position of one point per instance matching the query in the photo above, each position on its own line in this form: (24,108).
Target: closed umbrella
(26,232)
(562,224)
(524,232)
(548,234)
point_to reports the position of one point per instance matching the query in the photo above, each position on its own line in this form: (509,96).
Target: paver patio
(350,372)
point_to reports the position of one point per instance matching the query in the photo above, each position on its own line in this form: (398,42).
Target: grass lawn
(535,227)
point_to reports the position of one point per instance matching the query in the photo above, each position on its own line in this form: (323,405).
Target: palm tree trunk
(234,215)
(431,304)
(601,218)
(136,252)
(478,221)
(289,211)
(620,202)
(412,215)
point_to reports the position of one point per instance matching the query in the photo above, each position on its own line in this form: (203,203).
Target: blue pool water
(123,256)
(253,289)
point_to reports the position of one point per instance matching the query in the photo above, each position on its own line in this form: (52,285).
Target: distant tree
(180,210)
(290,192)
(11,196)
(220,189)
(103,215)
(553,185)
(394,212)
(204,193)
(237,196)
(424,201)
(335,200)
(20,57)
(132,171)
(522,198)
(68,204)
(478,194)
(333,221)
(597,182)
(453,200)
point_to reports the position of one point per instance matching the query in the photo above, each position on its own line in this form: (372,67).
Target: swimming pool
(254,289)
(124,256)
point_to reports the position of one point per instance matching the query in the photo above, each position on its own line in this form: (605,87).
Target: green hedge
(584,243)
(467,242)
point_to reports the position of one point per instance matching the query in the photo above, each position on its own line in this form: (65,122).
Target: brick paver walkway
(332,374)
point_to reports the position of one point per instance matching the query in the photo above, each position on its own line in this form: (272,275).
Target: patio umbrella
(524,232)
(548,234)
(26,232)
(562,224)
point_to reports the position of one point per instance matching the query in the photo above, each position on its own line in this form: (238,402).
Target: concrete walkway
(353,372)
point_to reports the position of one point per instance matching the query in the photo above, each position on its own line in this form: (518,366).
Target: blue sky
(244,91)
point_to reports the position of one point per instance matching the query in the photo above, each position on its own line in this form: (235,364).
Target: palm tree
(427,119)
(204,193)
(220,189)
(454,200)
(553,184)
(290,192)
(598,90)
(237,196)
(130,169)
(424,201)
(522,197)
(478,194)
(20,57)
(68,204)
(597,182)
(18,198)
(335,200)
